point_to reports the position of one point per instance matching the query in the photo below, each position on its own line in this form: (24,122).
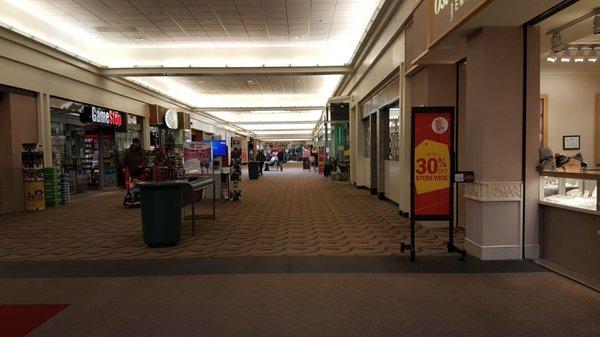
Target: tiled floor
(293,212)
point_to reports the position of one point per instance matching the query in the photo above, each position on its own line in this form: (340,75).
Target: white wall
(384,57)
(392,180)
(29,65)
(572,110)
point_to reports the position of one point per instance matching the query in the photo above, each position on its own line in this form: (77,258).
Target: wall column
(44,126)
(373,158)
(493,143)
(383,148)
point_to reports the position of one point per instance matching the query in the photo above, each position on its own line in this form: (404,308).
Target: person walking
(260,158)
(135,159)
(280,159)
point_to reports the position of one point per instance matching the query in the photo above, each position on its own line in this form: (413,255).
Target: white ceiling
(257,85)
(174,21)
(210,33)
(580,33)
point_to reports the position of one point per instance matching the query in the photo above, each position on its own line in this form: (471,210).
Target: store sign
(102,116)
(432,161)
(447,14)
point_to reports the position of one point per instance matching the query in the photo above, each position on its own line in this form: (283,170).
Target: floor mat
(18,320)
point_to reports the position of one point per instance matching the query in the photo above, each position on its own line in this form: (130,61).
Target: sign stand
(432,167)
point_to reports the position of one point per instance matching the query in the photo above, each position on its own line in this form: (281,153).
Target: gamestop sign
(102,116)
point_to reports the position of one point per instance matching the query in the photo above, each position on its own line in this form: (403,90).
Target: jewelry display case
(574,191)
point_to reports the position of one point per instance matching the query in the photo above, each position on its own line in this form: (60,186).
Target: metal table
(191,191)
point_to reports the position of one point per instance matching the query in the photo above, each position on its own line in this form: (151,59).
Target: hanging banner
(432,154)
(321,160)
(197,158)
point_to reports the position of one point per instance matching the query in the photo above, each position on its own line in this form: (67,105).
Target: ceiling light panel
(250,117)
(279,127)
(221,94)
(334,27)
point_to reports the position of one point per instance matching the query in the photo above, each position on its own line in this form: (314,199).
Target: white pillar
(44,126)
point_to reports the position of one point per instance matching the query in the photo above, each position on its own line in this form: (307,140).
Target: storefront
(89,143)
(169,127)
(569,142)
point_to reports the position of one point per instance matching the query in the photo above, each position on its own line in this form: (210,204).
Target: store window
(394,140)
(367,133)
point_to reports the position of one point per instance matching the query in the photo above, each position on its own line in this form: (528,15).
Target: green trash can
(161,212)
(253,169)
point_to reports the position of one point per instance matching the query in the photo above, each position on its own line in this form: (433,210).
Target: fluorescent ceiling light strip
(279,127)
(284,132)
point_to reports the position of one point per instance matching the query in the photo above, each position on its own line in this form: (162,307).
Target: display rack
(90,161)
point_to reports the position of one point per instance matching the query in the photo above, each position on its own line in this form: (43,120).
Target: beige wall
(572,110)
(28,65)
(19,125)
(384,57)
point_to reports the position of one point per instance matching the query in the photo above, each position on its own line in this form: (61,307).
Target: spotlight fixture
(566,56)
(579,58)
(557,44)
(552,57)
(596,28)
(593,57)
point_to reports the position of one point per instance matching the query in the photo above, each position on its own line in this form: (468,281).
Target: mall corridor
(299,168)
(299,255)
(293,212)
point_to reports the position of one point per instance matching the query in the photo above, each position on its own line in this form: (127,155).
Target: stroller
(132,197)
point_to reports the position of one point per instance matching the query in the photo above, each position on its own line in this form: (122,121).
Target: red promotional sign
(432,162)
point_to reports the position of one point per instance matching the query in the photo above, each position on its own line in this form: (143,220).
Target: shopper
(280,159)
(135,159)
(313,165)
(260,158)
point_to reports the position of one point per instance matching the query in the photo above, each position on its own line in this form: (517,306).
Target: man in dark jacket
(135,159)
(280,159)
(260,158)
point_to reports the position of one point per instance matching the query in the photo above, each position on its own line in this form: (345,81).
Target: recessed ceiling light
(250,81)
(579,56)
(207,21)
(297,37)
(593,57)
(566,57)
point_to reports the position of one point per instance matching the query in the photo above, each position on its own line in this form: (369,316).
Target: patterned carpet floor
(293,212)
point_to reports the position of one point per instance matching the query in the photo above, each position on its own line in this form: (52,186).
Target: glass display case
(577,191)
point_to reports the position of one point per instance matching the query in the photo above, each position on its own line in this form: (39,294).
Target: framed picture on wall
(571,142)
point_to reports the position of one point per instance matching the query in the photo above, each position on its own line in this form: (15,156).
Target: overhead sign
(445,15)
(101,116)
(432,162)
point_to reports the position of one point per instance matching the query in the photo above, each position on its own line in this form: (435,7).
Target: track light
(566,57)
(593,57)
(596,28)
(557,44)
(552,57)
(579,58)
